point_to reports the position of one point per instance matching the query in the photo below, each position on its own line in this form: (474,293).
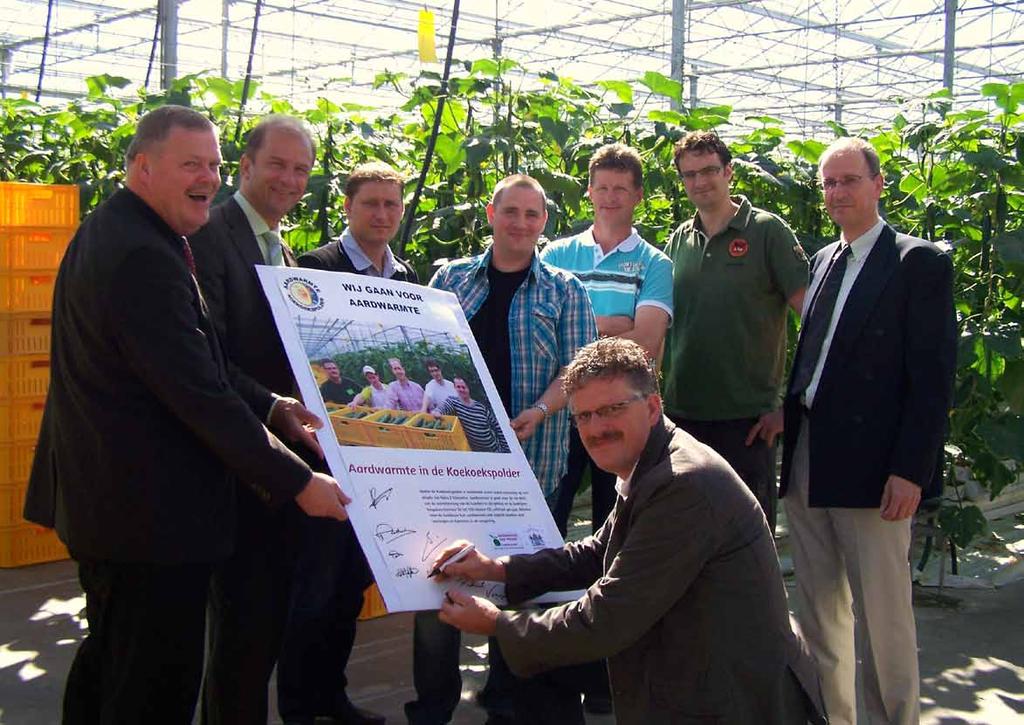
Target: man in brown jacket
(684,594)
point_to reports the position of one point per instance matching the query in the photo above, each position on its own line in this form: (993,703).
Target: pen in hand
(457,556)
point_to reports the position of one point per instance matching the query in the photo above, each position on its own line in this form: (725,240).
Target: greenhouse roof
(806,63)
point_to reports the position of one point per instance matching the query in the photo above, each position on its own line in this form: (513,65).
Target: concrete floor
(971,643)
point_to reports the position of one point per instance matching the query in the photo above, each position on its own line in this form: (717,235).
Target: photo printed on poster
(414,430)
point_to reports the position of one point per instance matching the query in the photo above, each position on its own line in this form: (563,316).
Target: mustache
(604,438)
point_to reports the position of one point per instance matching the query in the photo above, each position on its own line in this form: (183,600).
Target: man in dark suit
(331,571)
(143,433)
(865,418)
(671,576)
(249,596)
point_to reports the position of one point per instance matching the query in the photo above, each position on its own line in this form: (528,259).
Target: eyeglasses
(605,412)
(705,173)
(845,182)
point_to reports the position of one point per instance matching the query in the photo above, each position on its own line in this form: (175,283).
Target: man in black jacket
(145,423)
(865,418)
(249,594)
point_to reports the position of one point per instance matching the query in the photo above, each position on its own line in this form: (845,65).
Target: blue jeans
(327,595)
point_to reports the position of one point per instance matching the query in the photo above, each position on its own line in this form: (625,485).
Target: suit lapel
(878,268)
(241,235)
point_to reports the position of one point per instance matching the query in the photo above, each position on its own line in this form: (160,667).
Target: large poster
(414,429)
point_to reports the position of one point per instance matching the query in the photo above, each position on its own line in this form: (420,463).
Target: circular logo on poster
(304,293)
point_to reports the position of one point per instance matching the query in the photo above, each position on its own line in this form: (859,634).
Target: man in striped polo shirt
(478,421)
(630,287)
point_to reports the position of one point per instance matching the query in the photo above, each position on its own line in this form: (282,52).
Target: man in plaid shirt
(529,319)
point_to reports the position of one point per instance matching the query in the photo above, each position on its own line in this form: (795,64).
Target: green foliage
(955,177)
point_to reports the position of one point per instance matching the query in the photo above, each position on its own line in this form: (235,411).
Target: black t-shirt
(339,392)
(490,328)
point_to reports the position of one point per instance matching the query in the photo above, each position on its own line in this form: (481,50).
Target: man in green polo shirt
(735,268)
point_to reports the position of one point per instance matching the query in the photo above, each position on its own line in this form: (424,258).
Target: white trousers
(853,585)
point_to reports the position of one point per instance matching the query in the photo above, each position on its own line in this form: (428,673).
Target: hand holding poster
(414,429)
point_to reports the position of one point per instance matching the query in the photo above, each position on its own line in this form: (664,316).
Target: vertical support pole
(678,44)
(168,10)
(693,90)
(225,26)
(5,69)
(948,59)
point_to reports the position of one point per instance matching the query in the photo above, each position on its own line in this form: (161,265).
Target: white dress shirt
(860,248)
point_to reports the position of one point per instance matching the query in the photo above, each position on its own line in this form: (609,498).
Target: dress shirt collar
(623,485)
(361,262)
(259,224)
(861,247)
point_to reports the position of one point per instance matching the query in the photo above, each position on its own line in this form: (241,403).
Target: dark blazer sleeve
(648,575)
(316,258)
(929,365)
(175,363)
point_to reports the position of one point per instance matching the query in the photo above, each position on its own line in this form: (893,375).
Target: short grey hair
(611,357)
(852,143)
(277,122)
(157,125)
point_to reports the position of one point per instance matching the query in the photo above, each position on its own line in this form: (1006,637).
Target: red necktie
(189,259)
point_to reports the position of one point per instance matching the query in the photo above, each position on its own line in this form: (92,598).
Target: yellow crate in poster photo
(450,438)
(351,431)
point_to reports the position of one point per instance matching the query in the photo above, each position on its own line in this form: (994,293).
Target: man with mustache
(670,577)
(146,428)
(736,270)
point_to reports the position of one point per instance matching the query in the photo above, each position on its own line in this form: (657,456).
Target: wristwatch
(542,407)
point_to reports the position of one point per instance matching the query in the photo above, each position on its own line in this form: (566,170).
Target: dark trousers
(326,597)
(435,670)
(246,614)
(755,464)
(602,487)
(142,660)
(552,697)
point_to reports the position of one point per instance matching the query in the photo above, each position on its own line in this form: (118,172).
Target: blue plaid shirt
(549,320)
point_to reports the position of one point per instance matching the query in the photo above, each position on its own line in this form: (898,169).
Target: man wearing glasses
(866,412)
(670,577)
(735,269)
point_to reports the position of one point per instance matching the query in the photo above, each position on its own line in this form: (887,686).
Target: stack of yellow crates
(36,223)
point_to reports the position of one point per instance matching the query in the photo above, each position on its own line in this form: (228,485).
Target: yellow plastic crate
(27,291)
(373,604)
(453,439)
(38,205)
(387,435)
(33,248)
(24,376)
(351,431)
(24,333)
(12,503)
(20,419)
(28,544)
(16,462)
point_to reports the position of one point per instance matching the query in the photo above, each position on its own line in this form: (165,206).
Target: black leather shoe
(597,704)
(355,715)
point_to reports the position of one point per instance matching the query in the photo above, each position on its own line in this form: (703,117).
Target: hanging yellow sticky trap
(428,53)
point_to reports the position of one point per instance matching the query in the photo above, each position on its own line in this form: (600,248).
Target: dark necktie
(186,249)
(818,319)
